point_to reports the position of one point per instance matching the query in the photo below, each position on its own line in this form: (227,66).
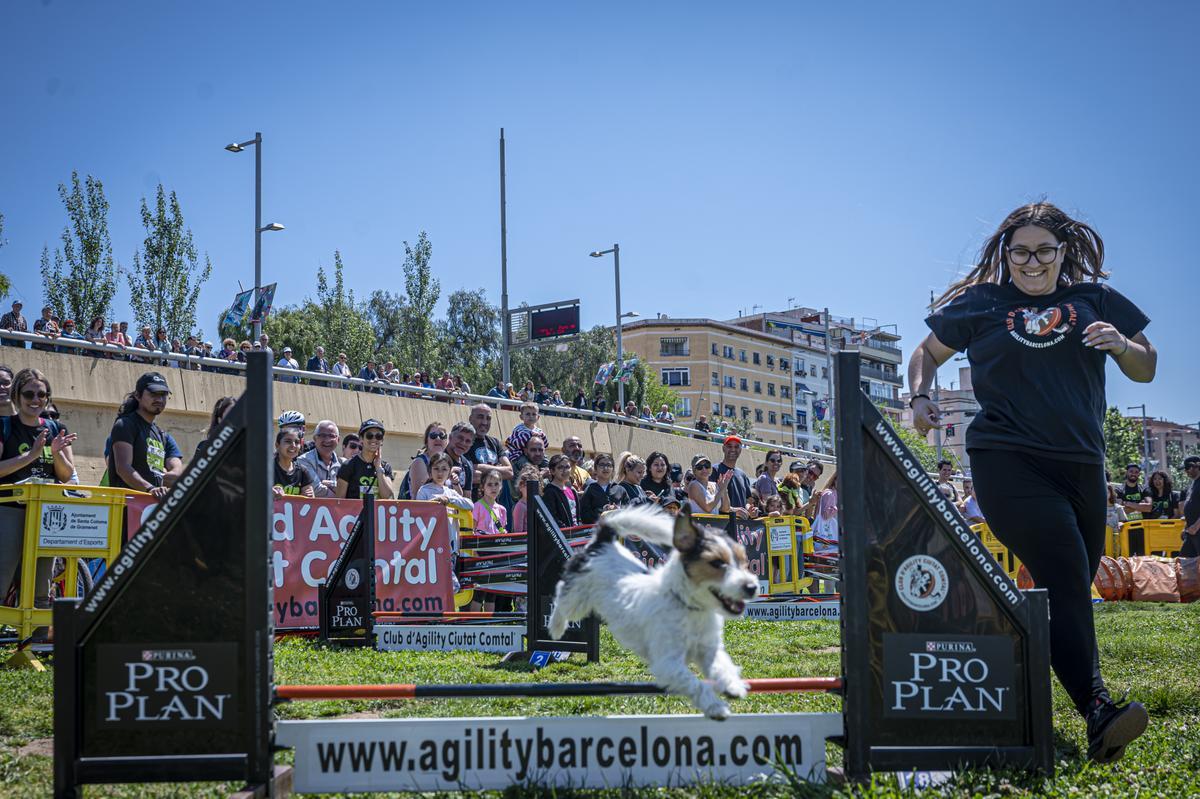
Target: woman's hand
(1103,336)
(61,442)
(926,415)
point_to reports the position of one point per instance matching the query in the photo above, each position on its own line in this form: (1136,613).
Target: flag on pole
(626,373)
(815,319)
(604,373)
(235,315)
(819,409)
(262,303)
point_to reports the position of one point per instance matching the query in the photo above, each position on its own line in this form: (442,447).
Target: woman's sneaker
(1111,727)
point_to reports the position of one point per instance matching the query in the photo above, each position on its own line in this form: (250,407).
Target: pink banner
(412,553)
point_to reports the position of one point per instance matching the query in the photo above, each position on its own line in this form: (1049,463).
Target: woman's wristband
(916,397)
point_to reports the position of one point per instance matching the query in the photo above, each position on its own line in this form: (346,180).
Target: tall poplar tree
(82,278)
(165,281)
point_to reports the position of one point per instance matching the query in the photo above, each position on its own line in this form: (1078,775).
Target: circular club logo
(352,579)
(922,583)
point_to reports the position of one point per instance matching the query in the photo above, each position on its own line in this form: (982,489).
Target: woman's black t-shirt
(359,476)
(592,502)
(295,482)
(627,494)
(20,439)
(656,488)
(1162,507)
(1040,390)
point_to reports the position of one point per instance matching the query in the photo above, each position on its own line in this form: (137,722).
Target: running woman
(1038,327)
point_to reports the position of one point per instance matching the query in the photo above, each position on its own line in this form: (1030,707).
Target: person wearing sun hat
(704,495)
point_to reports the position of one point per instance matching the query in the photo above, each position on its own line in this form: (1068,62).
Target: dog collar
(684,602)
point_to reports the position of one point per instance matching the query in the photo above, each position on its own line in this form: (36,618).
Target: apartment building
(804,331)
(1166,443)
(720,369)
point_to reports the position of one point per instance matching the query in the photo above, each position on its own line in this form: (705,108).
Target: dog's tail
(645,521)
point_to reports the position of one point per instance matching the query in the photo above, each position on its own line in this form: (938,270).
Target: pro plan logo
(1041,328)
(922,582)
(54,518)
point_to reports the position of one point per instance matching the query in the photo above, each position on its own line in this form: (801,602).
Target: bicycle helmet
(291,419)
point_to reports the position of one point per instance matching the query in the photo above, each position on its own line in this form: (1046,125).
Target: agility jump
(932,631)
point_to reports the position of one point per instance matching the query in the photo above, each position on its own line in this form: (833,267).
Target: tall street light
(616,254)
(256,142)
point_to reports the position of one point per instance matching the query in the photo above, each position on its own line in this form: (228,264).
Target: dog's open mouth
(734,607)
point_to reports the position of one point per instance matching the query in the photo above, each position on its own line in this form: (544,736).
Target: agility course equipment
(944,661)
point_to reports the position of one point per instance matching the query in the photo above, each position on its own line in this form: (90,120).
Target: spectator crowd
(383,377)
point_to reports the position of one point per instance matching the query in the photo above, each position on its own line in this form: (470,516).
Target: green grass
(1151,650)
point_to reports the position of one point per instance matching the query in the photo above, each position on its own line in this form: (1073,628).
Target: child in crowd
(522,432)
(521,508)
(438,488)
(825,525)
(559,495)
(490,516)
(773,506)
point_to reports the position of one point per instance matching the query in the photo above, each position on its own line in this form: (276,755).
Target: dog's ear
(686,535)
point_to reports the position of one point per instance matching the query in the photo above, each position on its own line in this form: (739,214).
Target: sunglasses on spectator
(49,415)
(30,395)
(774,460)
(437,434)
(372,436)
(354,445)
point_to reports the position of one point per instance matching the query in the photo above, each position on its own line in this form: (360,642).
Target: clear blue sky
(846,155)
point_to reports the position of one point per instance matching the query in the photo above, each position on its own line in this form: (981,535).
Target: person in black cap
(142,455)
(1191,510)
(366,472)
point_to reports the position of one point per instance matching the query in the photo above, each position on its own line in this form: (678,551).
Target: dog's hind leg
(673,674)
(569,606)
(724,673)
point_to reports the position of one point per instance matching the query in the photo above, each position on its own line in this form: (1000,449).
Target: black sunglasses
(354,445)
(437,434)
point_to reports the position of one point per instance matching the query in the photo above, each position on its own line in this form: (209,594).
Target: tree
(333,321)
(470,338)
(1122,442)
(90,281)
(569,370)
(422,290)
(385,313)
(1177,450)
(924,452)
(165,281)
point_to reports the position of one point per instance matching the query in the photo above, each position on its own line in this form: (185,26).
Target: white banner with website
(579,752)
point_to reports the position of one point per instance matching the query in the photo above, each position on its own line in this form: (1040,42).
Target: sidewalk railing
(384,387)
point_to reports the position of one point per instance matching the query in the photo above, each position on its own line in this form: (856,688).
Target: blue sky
(849,155)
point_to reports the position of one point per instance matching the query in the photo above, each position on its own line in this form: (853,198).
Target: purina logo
(960,647)
(922,583)
(54,518)
(168,655)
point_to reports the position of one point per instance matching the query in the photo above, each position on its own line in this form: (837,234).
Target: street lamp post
(1145,436)
(616,254)
(236,147)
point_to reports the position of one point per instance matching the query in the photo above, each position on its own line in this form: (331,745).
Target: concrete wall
(88,391)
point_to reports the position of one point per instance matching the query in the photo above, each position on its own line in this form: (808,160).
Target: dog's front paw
(738,689)
(717,710)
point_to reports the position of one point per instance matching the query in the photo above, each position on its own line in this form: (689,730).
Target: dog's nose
(750,589)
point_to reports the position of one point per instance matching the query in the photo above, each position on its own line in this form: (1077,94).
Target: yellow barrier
(1151,536)
(61,521)
(1005,559)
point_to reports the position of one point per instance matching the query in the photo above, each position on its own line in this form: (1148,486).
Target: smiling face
(1035,244)
(32,398)
(716,568)
(289,445)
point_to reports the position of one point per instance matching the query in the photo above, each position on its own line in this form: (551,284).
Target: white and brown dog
(669,616)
